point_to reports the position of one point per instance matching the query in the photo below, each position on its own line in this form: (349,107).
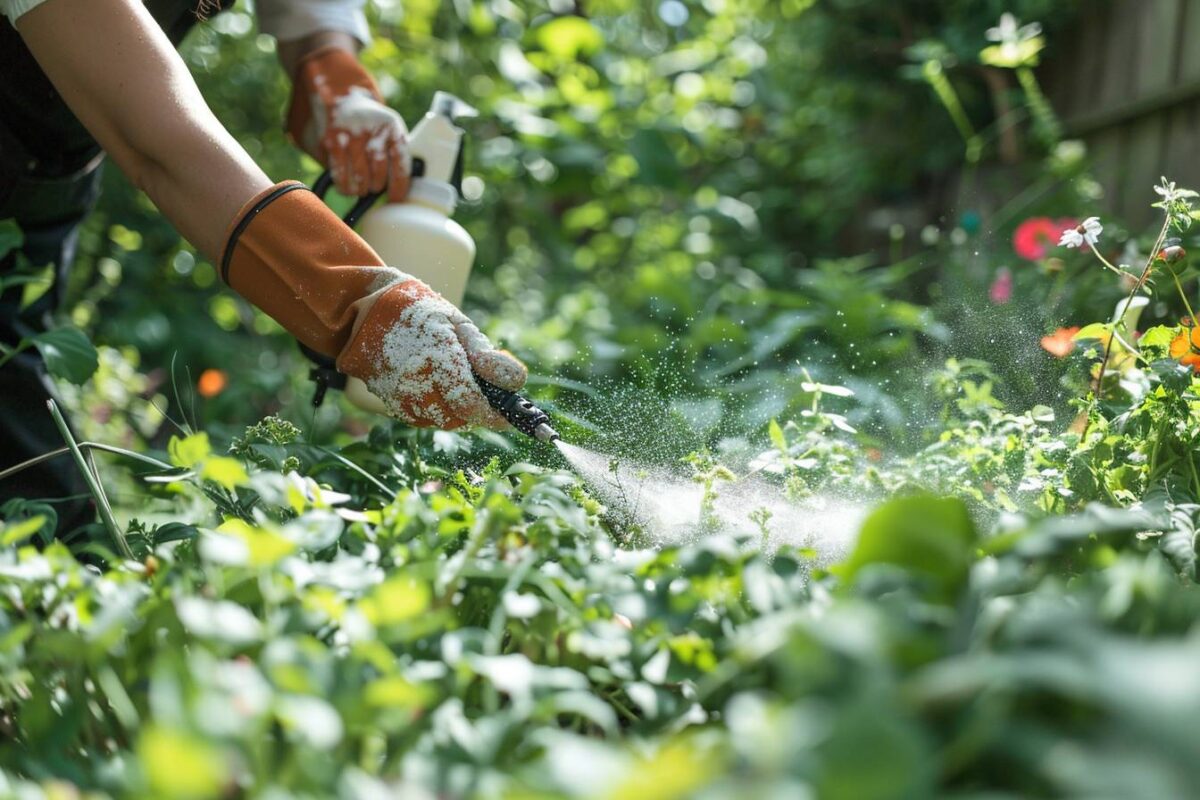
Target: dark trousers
(49,213)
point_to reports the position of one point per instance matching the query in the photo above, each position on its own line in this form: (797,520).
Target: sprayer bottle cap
(436,140)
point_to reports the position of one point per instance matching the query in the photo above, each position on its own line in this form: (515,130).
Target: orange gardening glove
(291,256)
(338,116)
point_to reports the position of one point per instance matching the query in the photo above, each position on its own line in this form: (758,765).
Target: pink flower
(1035,236)
(1000,292)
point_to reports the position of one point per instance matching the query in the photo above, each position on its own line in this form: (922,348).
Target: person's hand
(338,116)
(417,352)
(291,256)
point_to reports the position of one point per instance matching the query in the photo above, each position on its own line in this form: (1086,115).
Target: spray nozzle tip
(545,433)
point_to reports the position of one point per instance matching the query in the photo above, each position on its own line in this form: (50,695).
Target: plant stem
(10,352)
(86,446)
(1183,297)
(93,482)
(1162,235)
(1104,260)
(1043,114)
(944,90)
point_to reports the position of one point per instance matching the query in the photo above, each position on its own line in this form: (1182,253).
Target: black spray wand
(521,414)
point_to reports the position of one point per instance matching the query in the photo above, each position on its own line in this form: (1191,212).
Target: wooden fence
(1126,80)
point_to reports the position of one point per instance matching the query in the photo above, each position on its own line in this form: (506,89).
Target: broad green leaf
(180,766)
(68,354)
(189,451)
(568,37)
(931,537)
(1160,336)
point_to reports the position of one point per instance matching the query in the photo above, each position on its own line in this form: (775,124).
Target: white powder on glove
(423,367)
(359,112)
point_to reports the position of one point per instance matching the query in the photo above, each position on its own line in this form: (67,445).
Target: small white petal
(1070,238)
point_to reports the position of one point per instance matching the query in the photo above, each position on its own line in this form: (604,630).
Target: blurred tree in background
(649,183)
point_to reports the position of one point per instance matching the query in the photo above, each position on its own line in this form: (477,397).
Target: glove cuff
(288,254)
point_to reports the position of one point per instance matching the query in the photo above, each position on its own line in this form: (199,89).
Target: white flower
(1071,238)
(1167,191)
(1087,231)
(1009,32)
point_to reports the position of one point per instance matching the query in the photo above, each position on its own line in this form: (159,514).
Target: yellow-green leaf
(396,600)
(566,38)
(190,451)
(777,437)
(20,531)
(180,766)
(263,547)
(396,692)
(228,472)
(1097,330)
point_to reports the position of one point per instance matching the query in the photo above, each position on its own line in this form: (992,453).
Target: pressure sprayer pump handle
(521,414)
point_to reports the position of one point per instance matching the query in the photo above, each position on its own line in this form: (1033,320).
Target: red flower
(1035,236)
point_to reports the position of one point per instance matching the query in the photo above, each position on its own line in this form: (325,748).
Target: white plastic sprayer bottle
(418,235)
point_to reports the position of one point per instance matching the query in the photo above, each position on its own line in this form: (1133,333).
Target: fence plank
(1075,74)
(1107,151)
(1189,65)
(1119,70)
(1156,43)
(1183,139)
(1143,158)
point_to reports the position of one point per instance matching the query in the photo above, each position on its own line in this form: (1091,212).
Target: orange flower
(1060,343)
(212,382)
(1185,347)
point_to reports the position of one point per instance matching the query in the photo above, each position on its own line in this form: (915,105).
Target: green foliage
(325,611)
(931,539)
(67,353)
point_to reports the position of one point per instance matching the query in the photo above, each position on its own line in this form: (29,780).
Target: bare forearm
(134,94)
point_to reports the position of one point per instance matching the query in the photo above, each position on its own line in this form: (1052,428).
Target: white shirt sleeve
(294,19)
(15,8)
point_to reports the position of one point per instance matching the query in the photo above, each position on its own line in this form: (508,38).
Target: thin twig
(33,462)
(93,482)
